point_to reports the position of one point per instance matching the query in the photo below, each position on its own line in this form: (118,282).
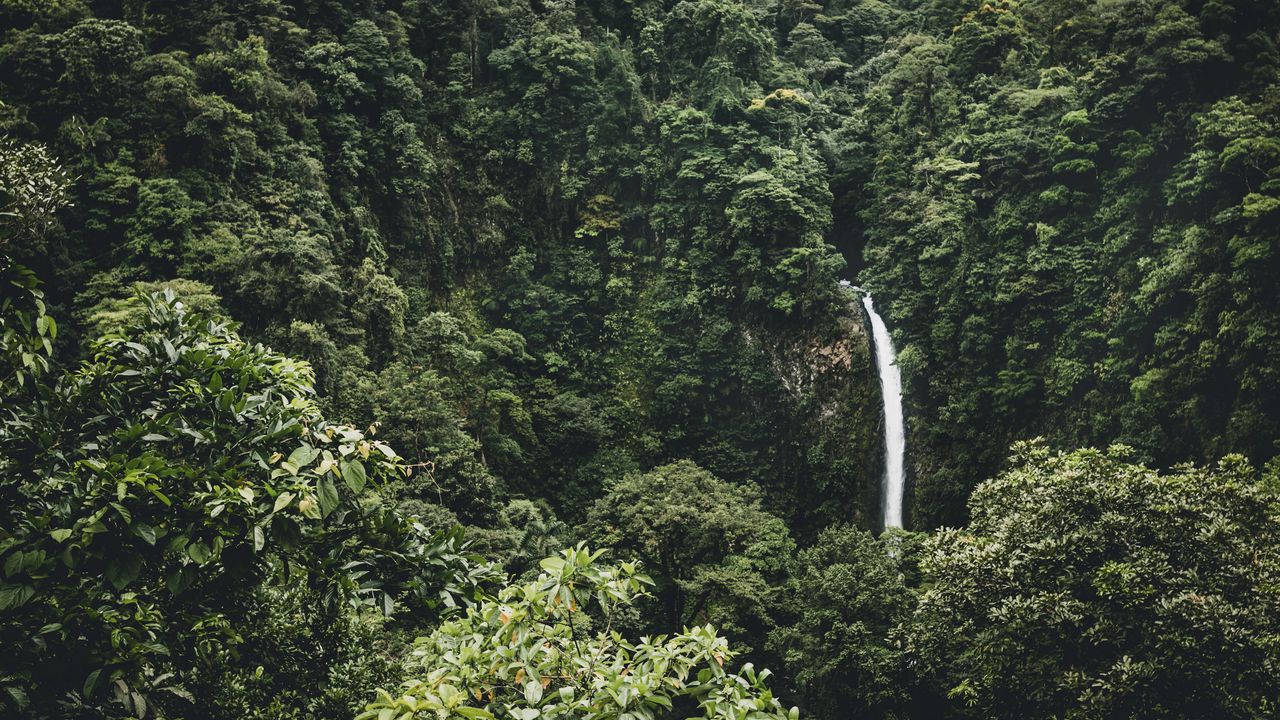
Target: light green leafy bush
(547,649)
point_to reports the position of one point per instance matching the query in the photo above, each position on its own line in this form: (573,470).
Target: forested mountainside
(543,245)
(615,228)
(1071,210)
(566,272)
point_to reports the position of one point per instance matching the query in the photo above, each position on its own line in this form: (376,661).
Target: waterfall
(895,439)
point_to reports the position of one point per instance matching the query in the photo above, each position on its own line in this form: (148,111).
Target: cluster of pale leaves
(529,653)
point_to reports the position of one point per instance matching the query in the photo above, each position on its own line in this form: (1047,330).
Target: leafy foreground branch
(148,497)
(531,653)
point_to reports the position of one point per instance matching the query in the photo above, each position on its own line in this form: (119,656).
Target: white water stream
(895,438)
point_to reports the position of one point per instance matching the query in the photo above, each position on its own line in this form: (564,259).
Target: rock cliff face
(829,378)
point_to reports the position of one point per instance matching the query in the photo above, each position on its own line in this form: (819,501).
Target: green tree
(148,490)
(526,531)
(33,187)
(844,599)
(1087,586)
(716,555)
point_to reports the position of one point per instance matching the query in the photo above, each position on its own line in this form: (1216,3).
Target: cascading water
(895,439)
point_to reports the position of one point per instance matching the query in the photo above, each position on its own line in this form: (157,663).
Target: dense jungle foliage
(486,358)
